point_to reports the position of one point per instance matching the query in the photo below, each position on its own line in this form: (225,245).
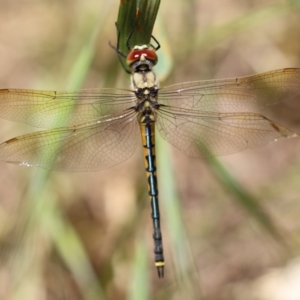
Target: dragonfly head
(141,58)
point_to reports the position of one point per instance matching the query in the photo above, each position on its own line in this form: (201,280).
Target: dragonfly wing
(95,146)
(52,109)
(244,94)
(210,133)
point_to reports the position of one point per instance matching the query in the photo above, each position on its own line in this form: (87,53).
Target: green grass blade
(139,288)
(139,15)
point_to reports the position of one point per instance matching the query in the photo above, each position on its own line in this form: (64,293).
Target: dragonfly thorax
(145,87)
(147,113)
(146,104)
(143,80)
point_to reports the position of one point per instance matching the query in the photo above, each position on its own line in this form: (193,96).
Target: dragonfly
(96,129)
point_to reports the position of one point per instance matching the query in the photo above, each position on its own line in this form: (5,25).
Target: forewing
(244,94)
(95,146)
(210,133)
(52,109)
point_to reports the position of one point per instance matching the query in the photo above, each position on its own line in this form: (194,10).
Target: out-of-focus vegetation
(88,236)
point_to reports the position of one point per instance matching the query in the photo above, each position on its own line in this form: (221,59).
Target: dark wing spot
(11,140)
(275,127)
(291,70)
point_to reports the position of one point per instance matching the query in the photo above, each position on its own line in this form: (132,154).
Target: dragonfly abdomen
(147,128)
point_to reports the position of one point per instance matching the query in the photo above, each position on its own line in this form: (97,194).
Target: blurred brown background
(84,236)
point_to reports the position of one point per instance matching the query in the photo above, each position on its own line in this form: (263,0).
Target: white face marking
(140,47)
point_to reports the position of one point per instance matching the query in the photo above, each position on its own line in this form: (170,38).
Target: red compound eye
(136,55)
